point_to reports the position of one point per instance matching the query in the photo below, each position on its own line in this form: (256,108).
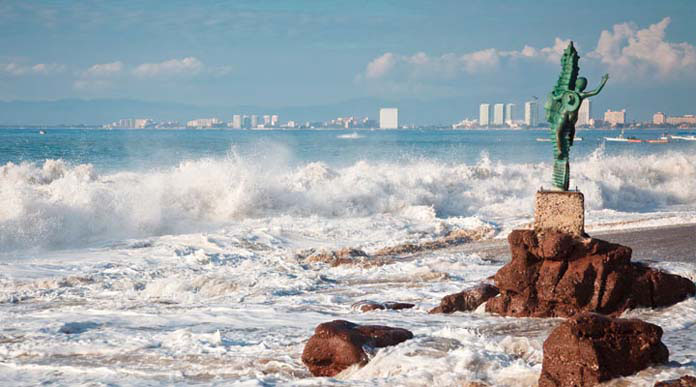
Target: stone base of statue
(562,211)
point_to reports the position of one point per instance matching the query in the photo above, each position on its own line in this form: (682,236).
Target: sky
(279,54)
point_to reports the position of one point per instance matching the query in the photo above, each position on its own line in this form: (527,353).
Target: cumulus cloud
(18,69)
(104,70)
(185,66)
(450,65)
(630,51)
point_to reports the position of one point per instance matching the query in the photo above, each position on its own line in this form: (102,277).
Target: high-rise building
(509,113)
(659,118)
(484,114)
(204,123)
(237,121)
(585,113)
(531,114)
(615,117)
(246,122)
(388,118)
(274,120)
(498,117)
(254,122)
(266,120)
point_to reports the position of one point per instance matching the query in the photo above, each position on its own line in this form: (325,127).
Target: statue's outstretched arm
(597,90)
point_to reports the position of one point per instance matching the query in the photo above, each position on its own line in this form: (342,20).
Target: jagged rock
(590,348)
(367,306)
(684,381)
(557,274)
(466,300)
(338,344)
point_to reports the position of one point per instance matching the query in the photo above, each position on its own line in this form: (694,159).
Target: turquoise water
(119,150)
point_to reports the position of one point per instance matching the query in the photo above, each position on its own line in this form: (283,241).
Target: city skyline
(309,57)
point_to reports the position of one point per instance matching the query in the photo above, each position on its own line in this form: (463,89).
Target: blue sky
(304,53)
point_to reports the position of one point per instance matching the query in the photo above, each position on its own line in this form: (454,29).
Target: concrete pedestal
(560,211)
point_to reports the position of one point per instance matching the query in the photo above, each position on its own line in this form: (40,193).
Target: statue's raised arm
(596,91)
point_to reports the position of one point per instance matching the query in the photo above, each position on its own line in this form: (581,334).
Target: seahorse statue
(562,106)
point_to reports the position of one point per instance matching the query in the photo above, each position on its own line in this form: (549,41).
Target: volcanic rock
(367,306)
(557,274)
(338,344)
(590,348)
(466,300)
(684,381)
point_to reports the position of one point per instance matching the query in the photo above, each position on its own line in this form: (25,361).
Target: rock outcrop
(684,381)
(559,275)
(466,300)
(338,344)
(590,349)
(367,306)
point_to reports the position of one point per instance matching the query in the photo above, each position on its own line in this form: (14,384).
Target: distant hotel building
(509,113)
(531,114)
(585,113)
(685,119)
(204,123)
(236,121)
(498,118)
(484,114)
(659,118)
(388,118)
(132,123)
(615,117)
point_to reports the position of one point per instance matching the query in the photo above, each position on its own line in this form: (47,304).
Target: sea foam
(58,205)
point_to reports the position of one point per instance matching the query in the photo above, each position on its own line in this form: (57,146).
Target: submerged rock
(338,344)
(684,381)
(590,348)
(367,306)
(466,300)
(558,274)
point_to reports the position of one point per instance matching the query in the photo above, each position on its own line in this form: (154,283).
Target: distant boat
(42,132)
(685,138)
(351,136)
(621,138)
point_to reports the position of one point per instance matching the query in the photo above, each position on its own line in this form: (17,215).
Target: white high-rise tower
(585,112)
(531,114)
(498,117)
(388,118)
(484,114)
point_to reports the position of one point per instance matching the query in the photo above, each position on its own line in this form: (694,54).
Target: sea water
(174,257)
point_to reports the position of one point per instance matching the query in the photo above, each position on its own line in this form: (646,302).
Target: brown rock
(684,381)
(557,274)
(590,348)
(338,344)
(367,306)
(466,300)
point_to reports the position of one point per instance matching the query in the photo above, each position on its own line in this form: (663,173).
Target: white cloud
(184,66)
(380,65)
(630,52)
(450,65)
(104,70)
(18,69)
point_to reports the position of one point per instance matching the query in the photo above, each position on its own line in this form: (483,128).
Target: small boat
(42,132)
(685,138)
(621,138)
(658,141)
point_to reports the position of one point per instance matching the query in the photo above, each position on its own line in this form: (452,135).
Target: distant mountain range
(443,111)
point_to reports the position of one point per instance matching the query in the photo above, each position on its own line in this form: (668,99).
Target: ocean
(153,257)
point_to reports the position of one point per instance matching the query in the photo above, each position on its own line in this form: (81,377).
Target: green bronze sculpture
(562,106)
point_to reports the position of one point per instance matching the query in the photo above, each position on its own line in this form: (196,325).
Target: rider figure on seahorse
(562,106)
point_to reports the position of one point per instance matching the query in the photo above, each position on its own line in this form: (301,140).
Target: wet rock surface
(367,306)
(590,348)
(466,300)
(339,344)
(684,381)
(560,275)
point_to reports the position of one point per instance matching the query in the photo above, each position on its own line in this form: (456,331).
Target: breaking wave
(56,204)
